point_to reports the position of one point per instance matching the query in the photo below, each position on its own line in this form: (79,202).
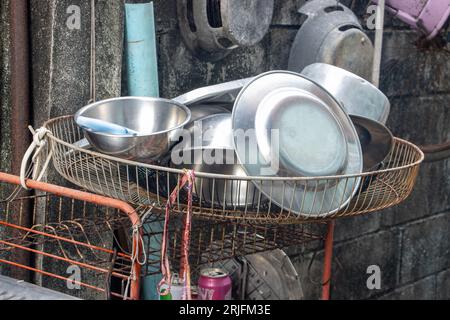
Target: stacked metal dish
(295,128)
(149,126)
(211,150)
(283,126)
(367,106)
(357,95)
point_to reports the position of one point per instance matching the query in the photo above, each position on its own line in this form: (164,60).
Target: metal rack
(222,228)
(217,241)
(69,228)
(150,185)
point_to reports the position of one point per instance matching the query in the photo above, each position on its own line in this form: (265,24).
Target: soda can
(214,284)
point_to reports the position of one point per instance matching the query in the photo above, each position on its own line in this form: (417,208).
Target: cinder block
(421,290)
(425,248)
(180,71)
(431,195)
(429,116)
(309,269)
(410,70)
(352,227)
(443,285)
(350,263)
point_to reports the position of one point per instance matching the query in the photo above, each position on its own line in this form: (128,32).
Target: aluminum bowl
(216,139)
(357,96)
(157,121)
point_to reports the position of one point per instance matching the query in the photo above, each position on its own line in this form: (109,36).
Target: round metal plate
(264,276)
(287,126)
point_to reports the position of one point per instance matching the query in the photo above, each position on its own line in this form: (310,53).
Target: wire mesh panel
(212,241)
(68,245)
(275,200)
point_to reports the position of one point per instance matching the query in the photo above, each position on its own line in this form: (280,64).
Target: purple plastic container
(428,16)
(214,284)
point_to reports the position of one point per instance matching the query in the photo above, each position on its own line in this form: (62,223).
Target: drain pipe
(142,74)
(20,102)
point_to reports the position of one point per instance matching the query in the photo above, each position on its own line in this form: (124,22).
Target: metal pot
(211,139)
(157,121)
(331,34)
(211,29)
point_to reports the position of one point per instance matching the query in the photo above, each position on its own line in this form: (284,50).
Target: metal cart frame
(121,206)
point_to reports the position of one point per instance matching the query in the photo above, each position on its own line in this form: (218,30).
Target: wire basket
(217,241)
(64,236)
(219,197)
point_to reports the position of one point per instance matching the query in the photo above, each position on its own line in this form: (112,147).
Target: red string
(185,274)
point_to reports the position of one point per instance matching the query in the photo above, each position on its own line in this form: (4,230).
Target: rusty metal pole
(326,278)
(20,81)
(20,101)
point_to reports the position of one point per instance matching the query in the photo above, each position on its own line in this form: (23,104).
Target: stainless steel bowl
(214,141)
(158,122)
(357,96)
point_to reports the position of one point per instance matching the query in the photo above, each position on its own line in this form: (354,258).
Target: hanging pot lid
(211,29)
(331,34)
(285,125)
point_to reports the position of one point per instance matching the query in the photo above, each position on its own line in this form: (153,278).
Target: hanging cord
(93,80)
(34,151)
(138,242)
(185,272)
